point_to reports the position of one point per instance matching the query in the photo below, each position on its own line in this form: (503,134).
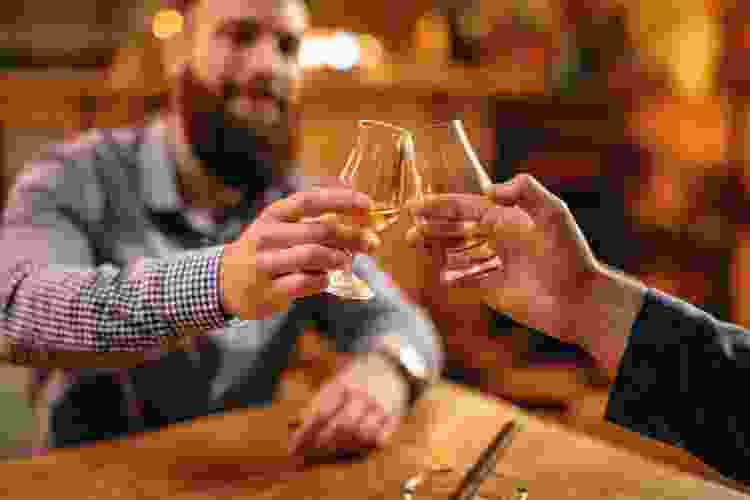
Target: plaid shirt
(101,261)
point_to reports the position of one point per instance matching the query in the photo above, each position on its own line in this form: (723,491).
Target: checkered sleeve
(106,316)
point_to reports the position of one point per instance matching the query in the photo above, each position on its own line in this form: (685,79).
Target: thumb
(525,191)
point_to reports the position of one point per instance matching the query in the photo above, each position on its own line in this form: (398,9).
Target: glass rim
(379,123)
(442,123)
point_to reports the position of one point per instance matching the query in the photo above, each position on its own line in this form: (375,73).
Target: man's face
(246,53)
(235,91)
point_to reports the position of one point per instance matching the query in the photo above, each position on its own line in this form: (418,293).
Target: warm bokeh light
(683,38)
(340,51)
(167,23)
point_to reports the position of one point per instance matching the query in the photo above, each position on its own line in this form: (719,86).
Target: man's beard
(242,153)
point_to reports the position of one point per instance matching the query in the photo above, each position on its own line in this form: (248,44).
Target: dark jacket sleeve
(682,381)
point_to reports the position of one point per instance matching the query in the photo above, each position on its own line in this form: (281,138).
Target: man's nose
(262,59)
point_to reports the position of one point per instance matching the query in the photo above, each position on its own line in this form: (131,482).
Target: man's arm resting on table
(364,403)
(399,333)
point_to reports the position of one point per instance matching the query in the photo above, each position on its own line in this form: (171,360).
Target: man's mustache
(258,89)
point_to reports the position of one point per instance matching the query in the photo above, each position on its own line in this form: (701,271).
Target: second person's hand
(550,279)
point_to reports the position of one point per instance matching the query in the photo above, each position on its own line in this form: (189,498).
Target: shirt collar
(157,170)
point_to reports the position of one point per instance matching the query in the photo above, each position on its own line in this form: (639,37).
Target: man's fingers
(342,432)
(319,414)
(280,293)
(352,232)
(315,203)
(329,232)
(353,238)
(301,259)
(348,421)
(296,285)
(282,235)
(371,425)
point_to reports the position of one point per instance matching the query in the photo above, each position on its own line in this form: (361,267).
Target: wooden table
(220,456)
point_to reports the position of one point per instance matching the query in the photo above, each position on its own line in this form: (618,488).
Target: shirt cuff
(191,291)
(647,389)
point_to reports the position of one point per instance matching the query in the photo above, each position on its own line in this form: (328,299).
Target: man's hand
(549,280)
(358,410)
(278,258)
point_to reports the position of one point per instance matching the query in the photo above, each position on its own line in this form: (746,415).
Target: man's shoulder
(90,154)
(79,171)
(95,142)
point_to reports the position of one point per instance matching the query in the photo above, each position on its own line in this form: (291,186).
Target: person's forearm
(67,318)
(673,381)
(394,314)
(606,317)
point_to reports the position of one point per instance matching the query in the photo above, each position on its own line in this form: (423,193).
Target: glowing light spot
(167,23)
